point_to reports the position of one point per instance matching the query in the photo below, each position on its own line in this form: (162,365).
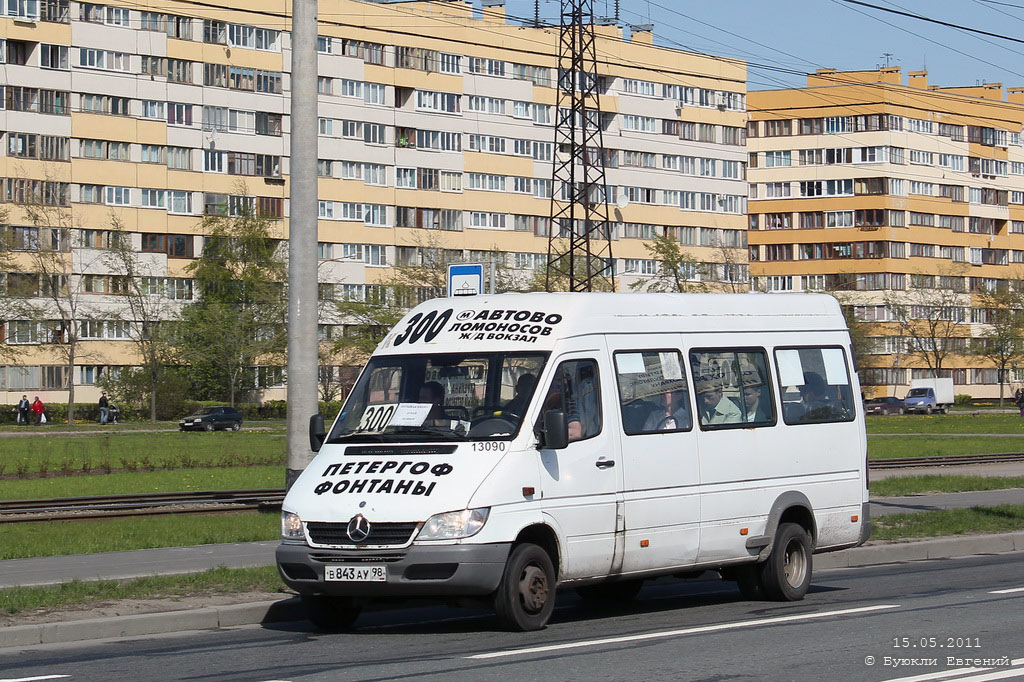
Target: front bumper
(417,571)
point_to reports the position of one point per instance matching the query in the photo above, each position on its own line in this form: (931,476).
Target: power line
(933,21)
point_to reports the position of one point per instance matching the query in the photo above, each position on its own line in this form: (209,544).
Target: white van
(498,447)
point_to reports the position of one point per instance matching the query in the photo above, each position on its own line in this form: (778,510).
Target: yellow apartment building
(432,116)
(906,198)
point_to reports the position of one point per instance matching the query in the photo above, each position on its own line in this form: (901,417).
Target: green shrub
(961,399)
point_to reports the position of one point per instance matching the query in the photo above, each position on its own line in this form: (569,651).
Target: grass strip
(79,593)
(231,478)
(102,453)
(1010,424)
(887,446)
(56,538)
(915,485)
(972,521)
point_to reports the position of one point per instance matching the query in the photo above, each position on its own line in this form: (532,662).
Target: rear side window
(815,385)
(653,394)
(733,388)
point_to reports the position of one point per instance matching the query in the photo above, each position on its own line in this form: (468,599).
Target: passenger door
(580,484)
(659,452)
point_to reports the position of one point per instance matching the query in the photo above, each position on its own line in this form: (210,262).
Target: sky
(779,37)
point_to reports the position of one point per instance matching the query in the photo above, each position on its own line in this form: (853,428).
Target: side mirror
(317,432)
(556,430)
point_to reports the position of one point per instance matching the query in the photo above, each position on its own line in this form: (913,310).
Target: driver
(433,393)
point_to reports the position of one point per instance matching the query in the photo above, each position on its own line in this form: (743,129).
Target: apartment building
(435,127)
(906,199)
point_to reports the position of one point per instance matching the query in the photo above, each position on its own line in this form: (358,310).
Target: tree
(239,315)
(860,331)
(929,316)
(1001,343)
(678,271)
(60,287)
(145,308)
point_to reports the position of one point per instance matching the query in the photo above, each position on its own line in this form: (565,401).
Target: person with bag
(39,411)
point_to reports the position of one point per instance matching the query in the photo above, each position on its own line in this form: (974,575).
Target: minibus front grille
(355,559)
(398,450)
(381,534)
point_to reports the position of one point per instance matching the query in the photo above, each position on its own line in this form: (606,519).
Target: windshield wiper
(428,433)
(358,437)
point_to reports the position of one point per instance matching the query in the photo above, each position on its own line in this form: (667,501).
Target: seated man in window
(433,393)
(672,413)
(816,402)
(523,391)
(714,407)
(756,401)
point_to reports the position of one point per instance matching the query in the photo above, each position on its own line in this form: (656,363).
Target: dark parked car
(883,406)
(212,418)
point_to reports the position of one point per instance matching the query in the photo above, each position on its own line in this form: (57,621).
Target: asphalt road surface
(958,620)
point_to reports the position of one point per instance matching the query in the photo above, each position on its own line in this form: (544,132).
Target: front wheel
(928,410)
(786,575)
(208,426)
(901,411)
(332,614)
(526,594)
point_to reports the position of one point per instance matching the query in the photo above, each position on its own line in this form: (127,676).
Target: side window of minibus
(653,393)
(732,387)
(576,390)
(815,385)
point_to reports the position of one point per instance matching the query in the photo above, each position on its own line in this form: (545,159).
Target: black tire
(235,426)
(786,575)
(901,412)
(748,579)
(928,410)
(526,594)
(208,426)
(331,614)
(621,592)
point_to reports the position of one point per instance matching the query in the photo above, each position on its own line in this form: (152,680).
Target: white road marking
(679,633)
(33,679)
(988,674)
(1009,591)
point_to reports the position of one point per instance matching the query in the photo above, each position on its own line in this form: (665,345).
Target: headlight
(454,525)
(291,527)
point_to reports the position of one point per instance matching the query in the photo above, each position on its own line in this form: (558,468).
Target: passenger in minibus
(756,403)
(672,414)
(523,391)
(433,393)
(814,399)
(715,408)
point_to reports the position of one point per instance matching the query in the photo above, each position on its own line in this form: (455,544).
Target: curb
(209,618)
(290,609)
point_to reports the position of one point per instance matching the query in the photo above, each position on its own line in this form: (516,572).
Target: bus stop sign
(465,279)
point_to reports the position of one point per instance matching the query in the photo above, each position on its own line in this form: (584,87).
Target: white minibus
(499,447)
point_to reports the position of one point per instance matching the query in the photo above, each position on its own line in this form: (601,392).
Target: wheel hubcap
(794,564)
(533,589)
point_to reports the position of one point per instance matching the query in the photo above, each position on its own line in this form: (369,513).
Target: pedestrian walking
(39,410)
(23,409)
(1018,398)
(104,408)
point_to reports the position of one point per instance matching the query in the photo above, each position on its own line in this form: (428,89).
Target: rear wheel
(610,593)
(901,411)
(235,426)
(786,575)
(332,614)
(526,594)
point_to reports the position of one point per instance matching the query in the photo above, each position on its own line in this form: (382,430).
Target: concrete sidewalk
(290,609)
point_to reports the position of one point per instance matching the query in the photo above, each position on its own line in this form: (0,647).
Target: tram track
(270,499)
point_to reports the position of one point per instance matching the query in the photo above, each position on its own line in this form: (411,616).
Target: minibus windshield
(438,398)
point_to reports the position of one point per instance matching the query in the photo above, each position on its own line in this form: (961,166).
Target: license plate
(373,574)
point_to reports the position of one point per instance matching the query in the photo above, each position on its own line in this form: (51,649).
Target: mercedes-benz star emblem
(358,528)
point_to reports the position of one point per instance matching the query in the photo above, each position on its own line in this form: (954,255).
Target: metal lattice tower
(579,242)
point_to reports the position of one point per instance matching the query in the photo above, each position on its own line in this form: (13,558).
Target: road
(696,630)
